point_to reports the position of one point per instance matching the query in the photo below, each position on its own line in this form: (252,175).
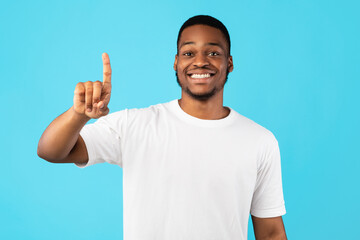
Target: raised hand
(92,98)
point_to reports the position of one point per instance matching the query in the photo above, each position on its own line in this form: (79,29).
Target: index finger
(106,69)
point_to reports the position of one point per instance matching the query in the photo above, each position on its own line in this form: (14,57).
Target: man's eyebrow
(186,43)
(209,43)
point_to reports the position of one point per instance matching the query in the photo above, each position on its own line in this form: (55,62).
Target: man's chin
(200,96)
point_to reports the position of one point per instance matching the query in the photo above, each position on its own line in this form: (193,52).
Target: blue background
(296,73)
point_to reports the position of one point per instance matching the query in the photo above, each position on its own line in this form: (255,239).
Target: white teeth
(206,75)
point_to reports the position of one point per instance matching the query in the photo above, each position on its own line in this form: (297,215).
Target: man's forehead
(202,33)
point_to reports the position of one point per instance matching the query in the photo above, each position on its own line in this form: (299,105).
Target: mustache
(201,68)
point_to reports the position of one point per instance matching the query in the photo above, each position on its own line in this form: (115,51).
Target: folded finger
(105,99)
(97,89)
(79,93)
(88,96)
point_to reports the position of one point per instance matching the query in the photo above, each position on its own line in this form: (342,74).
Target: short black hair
(205,20)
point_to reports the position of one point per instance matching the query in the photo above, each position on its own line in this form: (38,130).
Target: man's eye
(188,54)
(214,54)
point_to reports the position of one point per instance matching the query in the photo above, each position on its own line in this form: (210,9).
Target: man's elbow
(46,155)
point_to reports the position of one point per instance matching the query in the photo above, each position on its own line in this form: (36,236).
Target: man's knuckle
(79,87)
(89,89)
(87,84)
(80,92)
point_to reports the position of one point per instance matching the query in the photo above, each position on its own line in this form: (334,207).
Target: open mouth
(200,76)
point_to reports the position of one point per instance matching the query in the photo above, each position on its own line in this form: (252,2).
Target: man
(192,168)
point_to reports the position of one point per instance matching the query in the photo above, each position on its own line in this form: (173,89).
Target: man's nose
(201,60)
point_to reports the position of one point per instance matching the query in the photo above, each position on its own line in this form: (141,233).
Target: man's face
(203,62)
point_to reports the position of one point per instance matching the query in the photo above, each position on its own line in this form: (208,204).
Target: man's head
(208,21)
(203,59)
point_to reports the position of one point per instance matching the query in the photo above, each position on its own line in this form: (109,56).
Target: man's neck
(210,109)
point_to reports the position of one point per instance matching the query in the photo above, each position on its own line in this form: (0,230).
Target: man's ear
(230,64)
(175,63)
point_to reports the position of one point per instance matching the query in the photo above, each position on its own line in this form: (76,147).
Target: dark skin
(61,141)
(203,50)
(202,64)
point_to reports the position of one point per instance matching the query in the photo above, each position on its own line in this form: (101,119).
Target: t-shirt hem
(89,147)
(268,213)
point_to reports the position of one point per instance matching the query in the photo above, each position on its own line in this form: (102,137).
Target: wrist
(79,117)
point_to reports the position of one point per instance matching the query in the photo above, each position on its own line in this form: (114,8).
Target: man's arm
(61,141)
(269,228)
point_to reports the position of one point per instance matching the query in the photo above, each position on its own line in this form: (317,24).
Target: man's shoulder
(252,127)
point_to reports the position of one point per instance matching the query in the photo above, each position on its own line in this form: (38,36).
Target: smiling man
(192,168)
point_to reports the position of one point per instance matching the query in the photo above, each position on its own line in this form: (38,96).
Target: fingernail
(102,105)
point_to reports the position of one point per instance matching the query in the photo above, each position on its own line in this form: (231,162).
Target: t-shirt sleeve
(104,139)
(268,200)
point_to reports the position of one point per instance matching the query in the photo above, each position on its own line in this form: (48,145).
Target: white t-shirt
(186,178)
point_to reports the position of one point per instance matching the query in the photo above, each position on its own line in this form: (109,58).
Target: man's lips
(200,77)
(200,71)
(200,74)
